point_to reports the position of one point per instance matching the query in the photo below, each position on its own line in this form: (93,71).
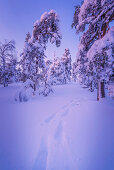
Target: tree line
(93,66)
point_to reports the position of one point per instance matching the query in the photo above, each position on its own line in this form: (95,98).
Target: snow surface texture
(99,45)
(68,130)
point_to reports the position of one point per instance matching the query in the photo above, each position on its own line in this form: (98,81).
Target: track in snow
(54,152)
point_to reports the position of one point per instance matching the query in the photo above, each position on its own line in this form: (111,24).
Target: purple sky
(18,16)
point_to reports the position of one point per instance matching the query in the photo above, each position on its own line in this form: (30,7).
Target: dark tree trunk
(102,90)
(98,91)
(4,80)
(34,87)
(91,87)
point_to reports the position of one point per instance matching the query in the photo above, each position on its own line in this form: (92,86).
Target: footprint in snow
(41,160)
(59,153)
(65,112)
(50,118)
(58,132)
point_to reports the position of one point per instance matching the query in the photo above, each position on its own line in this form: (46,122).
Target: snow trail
(41,160)
(56,153)
(69,130)
(64,110)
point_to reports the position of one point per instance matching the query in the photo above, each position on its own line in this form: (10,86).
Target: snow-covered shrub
(26,92)
(29,83)
(45,89)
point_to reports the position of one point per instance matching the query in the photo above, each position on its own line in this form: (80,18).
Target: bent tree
(33,57)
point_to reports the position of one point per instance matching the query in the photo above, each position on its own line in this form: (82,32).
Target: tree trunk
(4,84)
(4,74)
(4,80)
(100,90)
(34,87)
(91,87)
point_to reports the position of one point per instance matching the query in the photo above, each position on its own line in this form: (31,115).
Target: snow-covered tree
(33,57)
(93,17)
(96,14)
(25,57)
(32,61)
(66,64)
(74,72)
(55,72)
(47,29)
(60,69)
(101,57)
(7,62)
(19,75)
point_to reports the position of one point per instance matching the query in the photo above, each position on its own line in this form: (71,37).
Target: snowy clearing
(68,130)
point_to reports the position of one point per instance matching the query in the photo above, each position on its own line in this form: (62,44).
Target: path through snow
(54,152)
(68,130)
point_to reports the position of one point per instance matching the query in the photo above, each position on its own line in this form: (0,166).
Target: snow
(44,16)
(52,12)
(86,14)
(111,90)
(26,92)
(52,40)
(69,129)
(36,23)
(99,45)
(83,10)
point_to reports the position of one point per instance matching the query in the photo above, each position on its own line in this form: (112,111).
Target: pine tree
(25,58)
(102,59)
(93,17)
(32,61)
(74,71)
(66,62)
(33,57)
(60,69)
(51,72)
(56,72)
(47,29)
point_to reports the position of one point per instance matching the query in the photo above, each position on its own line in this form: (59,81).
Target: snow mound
(25,93)
(45,90)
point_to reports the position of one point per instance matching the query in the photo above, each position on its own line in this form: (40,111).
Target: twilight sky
(18,16)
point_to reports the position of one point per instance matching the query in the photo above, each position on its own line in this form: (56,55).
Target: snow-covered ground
(68,130)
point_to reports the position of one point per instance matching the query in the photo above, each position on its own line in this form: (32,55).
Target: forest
(57,113)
